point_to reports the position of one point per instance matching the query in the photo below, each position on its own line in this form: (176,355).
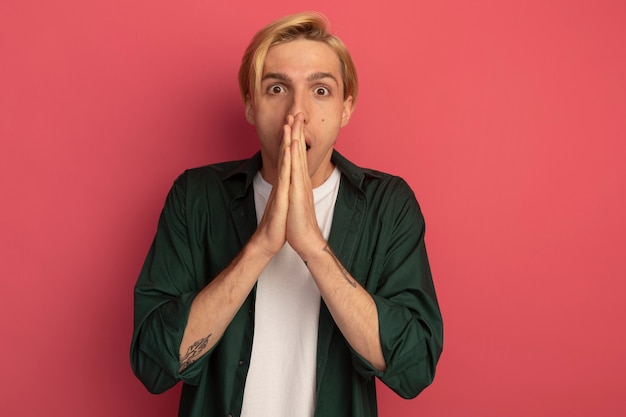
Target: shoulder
(376,185)
(226,174)
(208,173)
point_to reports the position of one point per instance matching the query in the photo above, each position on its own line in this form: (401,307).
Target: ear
(250,111)
(348,107)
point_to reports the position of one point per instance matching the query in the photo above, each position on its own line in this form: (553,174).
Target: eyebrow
(316,76)
(321,75)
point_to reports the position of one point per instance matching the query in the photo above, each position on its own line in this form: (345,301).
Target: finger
(285,167)
(298,126)
(285,143)
(288,130)
(279,196)
(299,175)
(299,137)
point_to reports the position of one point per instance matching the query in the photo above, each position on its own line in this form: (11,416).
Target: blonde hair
(308,25)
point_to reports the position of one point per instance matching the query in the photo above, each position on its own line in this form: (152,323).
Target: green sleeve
(164,292)
(410,323)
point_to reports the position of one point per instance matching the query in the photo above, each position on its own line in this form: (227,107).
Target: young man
(283,284)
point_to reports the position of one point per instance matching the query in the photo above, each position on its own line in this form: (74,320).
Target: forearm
(213,309)
(351,306)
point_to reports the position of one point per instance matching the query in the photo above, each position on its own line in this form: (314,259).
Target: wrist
(314,250)
(258,248)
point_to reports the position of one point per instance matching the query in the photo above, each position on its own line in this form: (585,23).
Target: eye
(322,91)
(276,89)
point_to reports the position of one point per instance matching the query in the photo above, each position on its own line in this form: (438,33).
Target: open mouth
(308,146)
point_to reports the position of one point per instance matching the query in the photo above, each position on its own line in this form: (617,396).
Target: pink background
(507,119)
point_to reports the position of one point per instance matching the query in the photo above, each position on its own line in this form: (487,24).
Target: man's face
(300,76)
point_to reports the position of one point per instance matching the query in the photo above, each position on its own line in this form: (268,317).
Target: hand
(302,232)
(271,232)
(290,211)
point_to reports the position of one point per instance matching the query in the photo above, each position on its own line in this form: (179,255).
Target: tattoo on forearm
(343,270)
(193,353)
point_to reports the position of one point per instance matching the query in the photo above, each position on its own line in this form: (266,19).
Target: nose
(299,104)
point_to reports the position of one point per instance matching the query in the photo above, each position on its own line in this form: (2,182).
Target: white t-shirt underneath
(281,378)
